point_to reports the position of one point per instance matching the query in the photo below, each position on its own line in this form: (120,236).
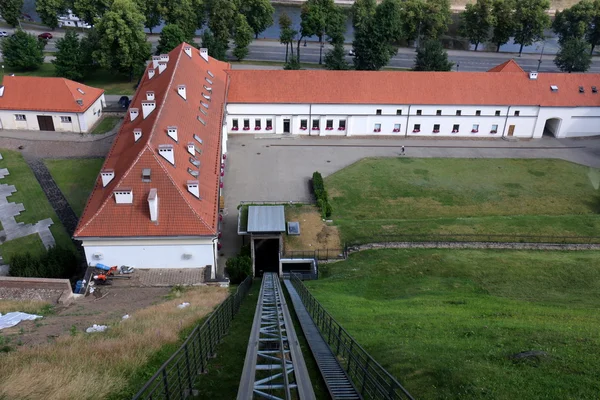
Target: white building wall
(526,121)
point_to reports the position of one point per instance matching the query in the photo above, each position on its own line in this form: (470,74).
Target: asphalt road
(269,50)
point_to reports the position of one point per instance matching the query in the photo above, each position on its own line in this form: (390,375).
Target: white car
(3,34)
(351,53)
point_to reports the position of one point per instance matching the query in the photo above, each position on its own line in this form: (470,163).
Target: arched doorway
(552,127)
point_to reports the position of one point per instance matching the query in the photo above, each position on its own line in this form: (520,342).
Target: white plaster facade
(412,120)
(79,122)
(168,252)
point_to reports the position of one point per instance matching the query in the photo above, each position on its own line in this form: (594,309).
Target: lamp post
(541,54)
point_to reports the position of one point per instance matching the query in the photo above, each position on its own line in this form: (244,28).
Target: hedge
(321,195)
(57,262)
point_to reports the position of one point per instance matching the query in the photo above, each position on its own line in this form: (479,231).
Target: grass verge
(76,178)
(447,323)
(28,306)
(36,205)
(399,196)
(99,366)
(106,125)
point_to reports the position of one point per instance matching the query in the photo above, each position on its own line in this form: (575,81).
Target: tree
(580,21)
(574,56)
(425,18)
(90,10)
(88,45)
(259,14)
(182,13)
(314,17)
(238,267)
(242,37)
(49,10)
(362,12)
(292,64)
(122,41)
(476,22)
(336,59)
(286,33)
(69,62)
(10,10)
(152,11)
(431,56)
(23,51)
(215,48)
(530,21)
(171,36)
(503,24)
(221,22)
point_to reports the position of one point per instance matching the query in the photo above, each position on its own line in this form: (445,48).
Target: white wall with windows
(62,122)
(412,120)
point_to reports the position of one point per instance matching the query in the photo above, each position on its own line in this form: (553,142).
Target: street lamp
(541,54)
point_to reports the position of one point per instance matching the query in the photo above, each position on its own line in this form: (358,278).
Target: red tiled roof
(507,66)
(179,212)
(34,93)
(402,87)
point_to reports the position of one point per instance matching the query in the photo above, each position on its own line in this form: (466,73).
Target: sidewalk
(49,136)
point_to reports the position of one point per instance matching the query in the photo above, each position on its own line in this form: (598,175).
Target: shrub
(321,195)
(57,262)
(238,268)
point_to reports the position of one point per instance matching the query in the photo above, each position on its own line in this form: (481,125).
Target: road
(270,50)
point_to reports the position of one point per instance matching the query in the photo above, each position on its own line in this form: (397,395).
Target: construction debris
(11,319)
(183,305)
(96,328)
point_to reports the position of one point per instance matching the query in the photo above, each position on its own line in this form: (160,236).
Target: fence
(176,377)
(484,238)
(317,254)
(371,379)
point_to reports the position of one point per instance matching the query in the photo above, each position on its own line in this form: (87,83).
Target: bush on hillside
(321,195)
(57,262)
(238,268)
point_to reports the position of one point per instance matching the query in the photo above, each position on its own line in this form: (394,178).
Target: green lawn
(397,196)
(445,322)
(106,125)
(112,83)
(36,205)
(76,178)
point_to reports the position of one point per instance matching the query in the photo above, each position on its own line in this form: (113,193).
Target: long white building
(506,101)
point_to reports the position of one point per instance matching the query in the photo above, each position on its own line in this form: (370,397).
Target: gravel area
(47,295)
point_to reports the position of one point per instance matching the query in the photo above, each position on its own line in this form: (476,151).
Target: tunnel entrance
(266,255)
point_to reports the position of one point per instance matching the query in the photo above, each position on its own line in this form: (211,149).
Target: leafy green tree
(286,33)
(431,56)
(49,10)
(362,12)
(531,19)
(582,20)
(336,59)
(214,47)
(171,36)
(259,14)
(476,22)
(88,45)
(23,51)
(152,11)
(122,41)
(503,23)
(314,17)
(10,10)
(336,26)
(69,62)
(182,13)
(90,10)
(221,22)
(574,56)
(242,37)
(425,18)
(238,268)
(292,64)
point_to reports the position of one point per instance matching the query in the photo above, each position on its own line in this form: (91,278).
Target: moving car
(45,35)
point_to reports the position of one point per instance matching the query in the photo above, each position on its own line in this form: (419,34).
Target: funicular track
(274,367)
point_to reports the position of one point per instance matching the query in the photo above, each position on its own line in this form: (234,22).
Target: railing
(176,377)
(371,379)
(303,275)
(317,254)
(484,238)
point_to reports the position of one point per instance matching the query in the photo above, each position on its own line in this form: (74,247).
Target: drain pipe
(505,123)
(309,123)
(407,121)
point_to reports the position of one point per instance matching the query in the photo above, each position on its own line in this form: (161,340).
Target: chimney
(133,113)
(172,132)
(123,196)
(181,91)
(151,73)
(188,51)
(107,175)
(533,75)
(161,67)
(166,151)
(153,205)
(1,90)
(191,148)
(79,102)
(204,54)
(164,57)
(137,134)
(194,188)
(149,95)
(155,60)
(147,108)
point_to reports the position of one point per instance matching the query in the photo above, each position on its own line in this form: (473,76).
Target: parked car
(3,34)
(45,36)
(351,53)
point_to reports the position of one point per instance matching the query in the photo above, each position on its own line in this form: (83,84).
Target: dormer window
(594,89)
(581,90)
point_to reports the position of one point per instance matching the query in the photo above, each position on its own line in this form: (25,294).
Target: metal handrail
(175,379)
(370,378)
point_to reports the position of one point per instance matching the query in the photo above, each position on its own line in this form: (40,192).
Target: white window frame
(20,117)
(66,119)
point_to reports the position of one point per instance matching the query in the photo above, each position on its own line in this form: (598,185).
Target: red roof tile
(33,93)
(507,66)
(180,213)
(401,87)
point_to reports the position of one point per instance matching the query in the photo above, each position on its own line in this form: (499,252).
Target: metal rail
(274,368)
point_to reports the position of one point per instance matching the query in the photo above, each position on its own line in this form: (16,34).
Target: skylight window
(194,162)
(201,121)
(198,139)
(194,173)
(209,81)
(210,73)
(202,110)
(581,90)
(554,88)
(204,104)
(80,91)
(594,89)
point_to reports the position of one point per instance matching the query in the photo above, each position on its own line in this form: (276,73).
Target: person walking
(402,151)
